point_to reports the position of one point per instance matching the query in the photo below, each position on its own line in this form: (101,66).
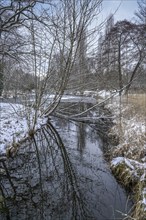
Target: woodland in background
(47,46)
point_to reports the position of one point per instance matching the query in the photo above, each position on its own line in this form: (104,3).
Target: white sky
(125,11)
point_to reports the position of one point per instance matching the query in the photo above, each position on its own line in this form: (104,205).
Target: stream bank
(61,173)
(127,158)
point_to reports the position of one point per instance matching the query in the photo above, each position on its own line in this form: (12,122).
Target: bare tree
(141,13)
(14,16)
(41,33)
(125,40)
(68,22)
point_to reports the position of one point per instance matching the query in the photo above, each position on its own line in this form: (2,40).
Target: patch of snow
(104,93)
(90,93)
(132,164)
(72,98)
(15,121)
(117,161)
(127,162)
(144,198)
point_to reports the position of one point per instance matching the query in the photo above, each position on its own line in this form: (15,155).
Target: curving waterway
(61,174)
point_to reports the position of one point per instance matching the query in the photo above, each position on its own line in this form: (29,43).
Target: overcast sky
(125,8)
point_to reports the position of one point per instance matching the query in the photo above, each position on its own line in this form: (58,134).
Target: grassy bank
(127,158)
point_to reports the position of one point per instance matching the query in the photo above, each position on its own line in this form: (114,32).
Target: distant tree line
(120,60)
(48,49)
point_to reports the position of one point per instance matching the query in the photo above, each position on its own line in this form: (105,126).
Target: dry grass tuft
(128,178)
(139,211)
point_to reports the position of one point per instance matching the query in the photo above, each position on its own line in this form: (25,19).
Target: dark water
(61,174)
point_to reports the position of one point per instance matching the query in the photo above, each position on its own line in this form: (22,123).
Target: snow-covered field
(15,122)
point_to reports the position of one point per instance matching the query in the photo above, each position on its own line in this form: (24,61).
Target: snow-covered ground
(15,122)
(17,119)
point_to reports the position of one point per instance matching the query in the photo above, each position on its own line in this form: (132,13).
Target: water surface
(61,174)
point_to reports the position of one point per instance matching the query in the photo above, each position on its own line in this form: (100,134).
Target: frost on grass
(129,163)
(129,171)
(131,174)
(15,122)
(131,130)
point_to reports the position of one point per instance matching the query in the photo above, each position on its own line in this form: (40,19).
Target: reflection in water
(81,133)
(49,180)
